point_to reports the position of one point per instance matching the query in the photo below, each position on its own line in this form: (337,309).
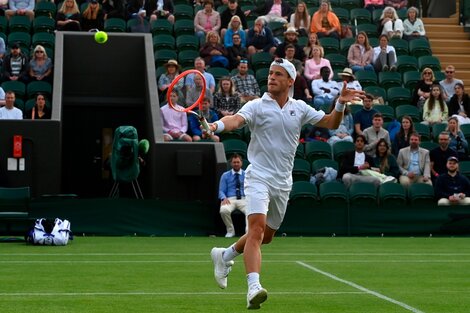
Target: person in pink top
(361,54)
(175,124)
(372,5)
(206,20)
(315,63)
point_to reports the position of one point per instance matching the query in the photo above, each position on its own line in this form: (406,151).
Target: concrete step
(447,35)
(460,66)
(450,49)
(443,28)
(452,58)
(436,20)
(447,43)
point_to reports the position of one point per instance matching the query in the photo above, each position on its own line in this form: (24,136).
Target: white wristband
(339,107)
(220,127)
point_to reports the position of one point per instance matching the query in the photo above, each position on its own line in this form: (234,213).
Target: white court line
(208,261)
(82,294)
(354,285)
(206,254)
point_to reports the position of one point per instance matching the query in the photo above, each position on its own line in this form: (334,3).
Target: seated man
(324,89)
(232,193)
(414,163)
(245,84)
(356,161)
(9,112)
(374,133)
(175,124)
(452,188)
(363,117)
(440,155)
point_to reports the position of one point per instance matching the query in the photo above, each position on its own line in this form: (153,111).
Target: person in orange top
(325,23)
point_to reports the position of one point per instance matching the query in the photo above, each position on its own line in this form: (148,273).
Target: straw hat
(347,72)
(291,30)
(172,62)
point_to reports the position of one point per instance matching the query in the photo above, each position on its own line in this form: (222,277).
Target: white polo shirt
(12,114)
(275,136)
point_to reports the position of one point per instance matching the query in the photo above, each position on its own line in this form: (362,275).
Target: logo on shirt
(292,113)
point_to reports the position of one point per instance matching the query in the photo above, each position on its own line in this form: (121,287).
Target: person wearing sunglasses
(422,89)
(275,122)
(448,83)
(40,65)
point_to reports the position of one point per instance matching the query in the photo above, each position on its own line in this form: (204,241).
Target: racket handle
(205,125)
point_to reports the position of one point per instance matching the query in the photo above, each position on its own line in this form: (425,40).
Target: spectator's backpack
(124,159)
(46,232)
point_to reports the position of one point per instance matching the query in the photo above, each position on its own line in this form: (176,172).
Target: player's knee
(267,240)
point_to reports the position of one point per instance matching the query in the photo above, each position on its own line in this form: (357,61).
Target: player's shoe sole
(221,268)
(255,299)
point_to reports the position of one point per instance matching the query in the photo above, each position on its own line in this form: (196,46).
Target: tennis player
(275,122)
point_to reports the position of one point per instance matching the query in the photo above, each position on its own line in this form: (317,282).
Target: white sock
(253,279)
(230,253)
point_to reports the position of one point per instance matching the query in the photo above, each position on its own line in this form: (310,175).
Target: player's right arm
(230,122)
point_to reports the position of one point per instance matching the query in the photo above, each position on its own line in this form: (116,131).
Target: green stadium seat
(233,146)
(428,145)
(47,40)
(354,108)
(134,22)
(465,128)
(429,61)
(187,42)
(464,168)
(410,110)
(376,91)
(421,195)
(350,4)
(19,23)
(235,134)
(161,26)
(400,45)
(300,151)
(337,61)
(419,47)
(366,78)
(370,30)
(184,27)
(162,56)
(344,45)
(406,63)
(45,8)
(343,15)
(35,87)
(24,40)
(277,28)
(43,24)
(303,194)
(322,163)
(115,25)
(340,148)
(14,202)
(392,196)
(436,129)
(221,8)
(19,103)
(439,75)
(162,42)
(19,88)
(183,11)
(186,58)
(301,170)
(362,195)
(261,60)
(262,76)
(398,95)
(334,194)
(330,45)
(361,16)
(218,72)
(410,79)
(389,79)
(376,15)
(388,112)
(423,130)
(315,150)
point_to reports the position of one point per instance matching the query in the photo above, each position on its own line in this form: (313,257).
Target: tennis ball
(144,146)
(101,37)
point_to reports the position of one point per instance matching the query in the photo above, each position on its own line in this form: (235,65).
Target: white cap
(290,68)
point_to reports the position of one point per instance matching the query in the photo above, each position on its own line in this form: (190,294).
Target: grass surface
(317,275)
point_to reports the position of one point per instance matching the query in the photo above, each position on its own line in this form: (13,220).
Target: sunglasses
(449,72)
(39,51)
(244,61)
(426,73)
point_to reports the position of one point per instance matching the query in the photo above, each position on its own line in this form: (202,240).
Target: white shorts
(264,199)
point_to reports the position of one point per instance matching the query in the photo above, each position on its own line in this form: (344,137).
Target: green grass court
(315,275)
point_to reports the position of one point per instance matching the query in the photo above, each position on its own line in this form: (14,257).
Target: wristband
(220,127)
(339,107)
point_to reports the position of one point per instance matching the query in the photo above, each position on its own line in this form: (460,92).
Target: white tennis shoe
(256,295)
(221,268)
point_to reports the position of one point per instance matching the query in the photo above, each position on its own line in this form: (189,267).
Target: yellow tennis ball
(101,37)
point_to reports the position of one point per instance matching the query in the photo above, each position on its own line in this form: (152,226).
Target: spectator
(40,65)
(8,111)
(15,64)
(374,133)
(348,76)
(68,16)
(3,7)
(236,52)
(422,89)
(260,38)
(385,56)
(234,27)
(423,3)
(356,161)
(459,105)
(458,143)
(300,19)
(2,50)
(226,99)
(233,9)
(372,5)
(345,130)
(245,84)
(213,52)
(396,4)
(301,90)
(402,138)
(413,25)
(315,63)
(449,83)
(290,38)
(435,108)
(439,156)
(361,54)
(193,93)
(273,11)
(312,42)
(232,193)
(20,7)
(164,10)
(325,23)
(363,117)
(390,24)
(414,163)
(92,17)
(385,162)
(206,20)
(210,116)
(200,65)
(289,54)
(324,89)
(114,9)
(172,70)
(175,124)
(452,188)
(2,97)
(39,111)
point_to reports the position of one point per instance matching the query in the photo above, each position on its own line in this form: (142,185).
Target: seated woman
(457,142)
(40,65)
(315,63)
(300,19)
(213,52)
(325,23)
(206,20)
(234,27)
(260,38)
(402,138)
(361,54)
(413,25)
(172,70)
(459,105)
(385,56)
(92,16)
(39,111)
(372,5)
(68,16)
(422,89)
(390,24)
(385,162)
(312,42)
(435,108)
(226,99)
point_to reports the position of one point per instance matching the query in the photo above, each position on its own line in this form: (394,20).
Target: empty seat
(233,146)
(389,79)
(115,25)
(392,196)
(388,112)
(362,195)
(410,110)
(303,194)
(366,78)
(421,195)
(315,150)
(398,95)
(301,170)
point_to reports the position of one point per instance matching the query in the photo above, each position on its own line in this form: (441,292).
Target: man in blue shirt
(232,193)
(452,188)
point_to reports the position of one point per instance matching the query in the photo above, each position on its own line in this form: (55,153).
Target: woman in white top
(385,57)
(413,25)
(300,19)
(391,25)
